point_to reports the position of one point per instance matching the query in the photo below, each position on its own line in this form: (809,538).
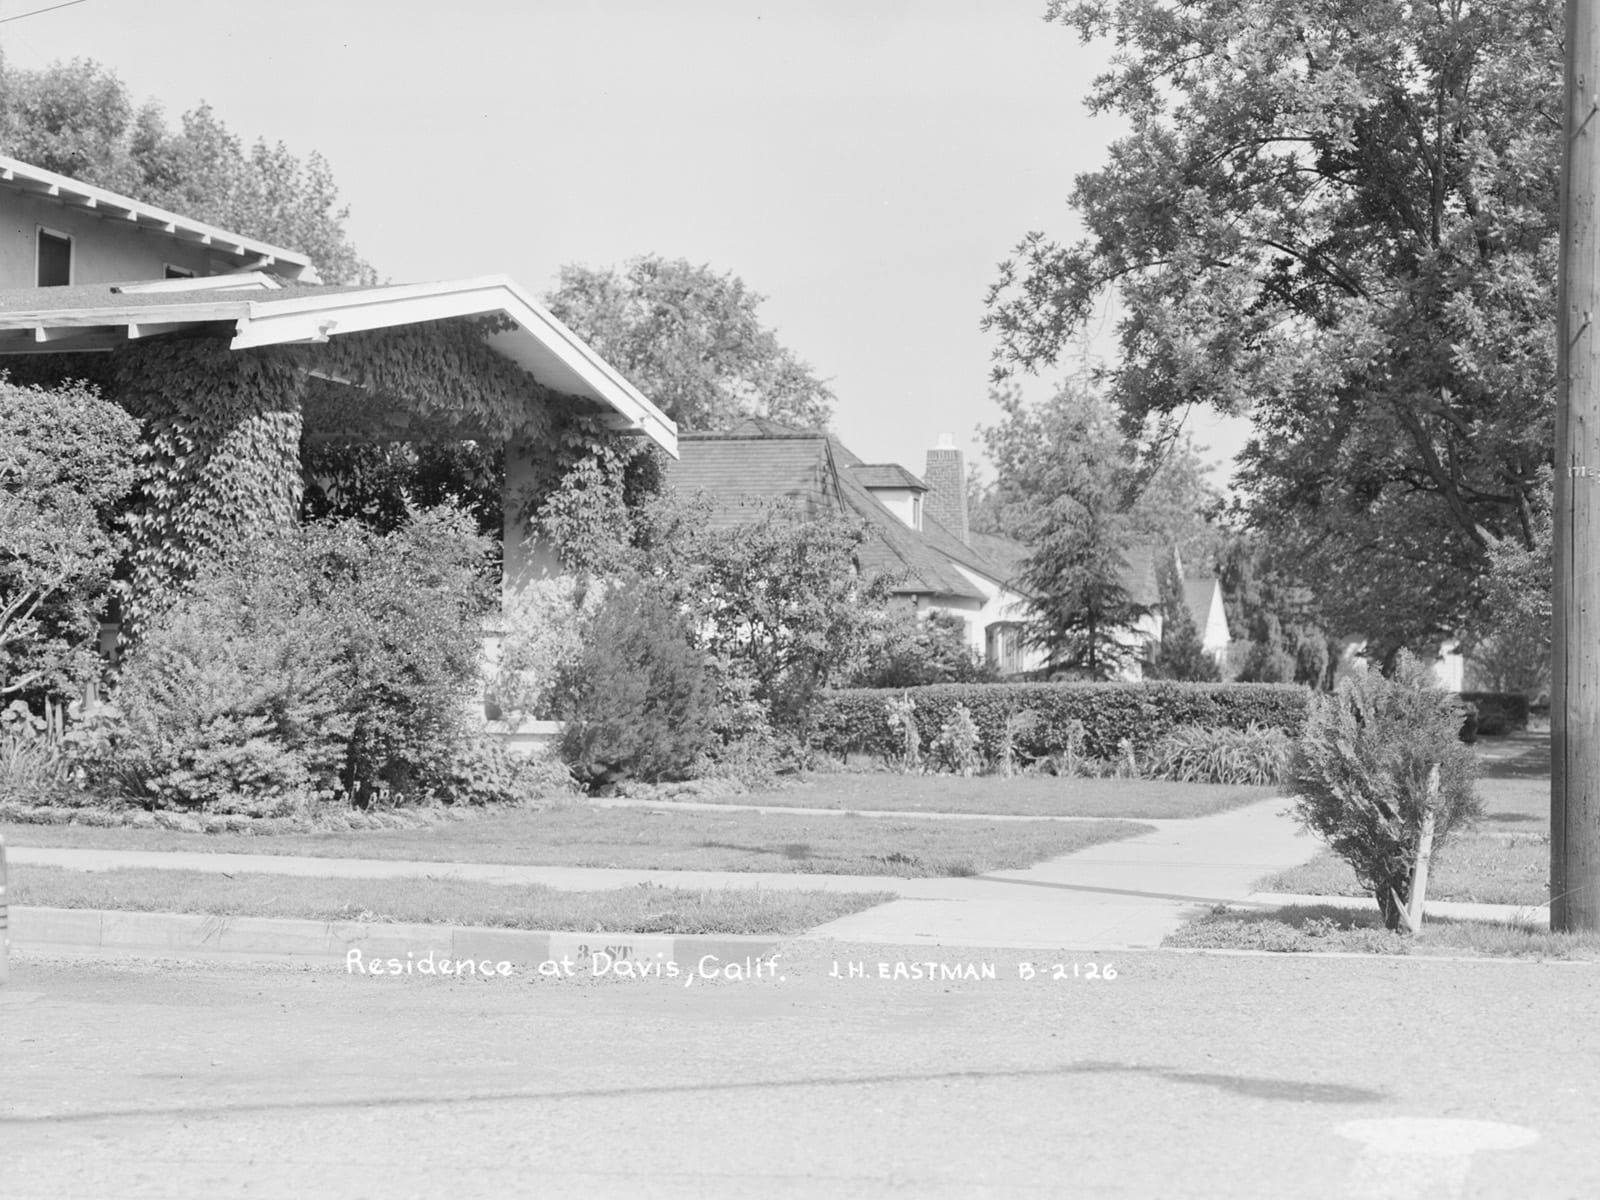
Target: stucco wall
(103,251)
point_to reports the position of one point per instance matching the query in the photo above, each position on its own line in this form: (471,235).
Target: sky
(864,164)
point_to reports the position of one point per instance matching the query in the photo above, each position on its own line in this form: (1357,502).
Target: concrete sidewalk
(1118,895)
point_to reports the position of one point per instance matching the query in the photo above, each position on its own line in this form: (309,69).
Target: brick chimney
(946,477)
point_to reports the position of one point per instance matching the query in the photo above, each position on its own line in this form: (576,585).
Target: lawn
(441,901)
(1514,781)
(580,835)
(1486,869)
(1021,795)
(1325,928)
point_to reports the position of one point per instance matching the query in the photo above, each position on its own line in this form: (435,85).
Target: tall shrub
(638,703)
(66,464)
(1361,769)
(328,658)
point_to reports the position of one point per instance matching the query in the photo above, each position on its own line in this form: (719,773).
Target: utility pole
(1575,657)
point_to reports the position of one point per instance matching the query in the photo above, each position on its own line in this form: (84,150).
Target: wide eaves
(262,313)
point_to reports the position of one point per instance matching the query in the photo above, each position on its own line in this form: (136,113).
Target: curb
(337,941)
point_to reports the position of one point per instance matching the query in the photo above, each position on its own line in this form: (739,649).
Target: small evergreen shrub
(956,748)
(1194,754)
(639,703)
(1359,775)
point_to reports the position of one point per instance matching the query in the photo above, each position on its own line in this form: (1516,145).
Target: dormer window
(54,261)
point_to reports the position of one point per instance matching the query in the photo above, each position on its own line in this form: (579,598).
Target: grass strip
(1483,870)
(1327,928)
(581,835)
(640,909)
(1019,796)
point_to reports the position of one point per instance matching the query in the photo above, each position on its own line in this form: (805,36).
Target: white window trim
(72,253)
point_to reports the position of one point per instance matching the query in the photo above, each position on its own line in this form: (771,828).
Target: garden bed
(441,901)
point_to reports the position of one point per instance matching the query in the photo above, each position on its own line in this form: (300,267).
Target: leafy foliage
(78,119)
(906,649)
(1340,218)
(1360,769)
(957,748)
(1079,494)
(66,464)
(1180,654)
(325,659)
(1098,715)
(544,623)
(637,704)
(691,340)
(1255,754)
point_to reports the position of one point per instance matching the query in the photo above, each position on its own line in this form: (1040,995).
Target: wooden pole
(1575,658)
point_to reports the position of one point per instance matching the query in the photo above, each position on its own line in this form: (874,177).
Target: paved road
(1186,1076)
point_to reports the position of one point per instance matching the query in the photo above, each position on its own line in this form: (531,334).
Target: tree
(690,339)
(78,119)
(1342,219)
(1180,654)
(1080,495)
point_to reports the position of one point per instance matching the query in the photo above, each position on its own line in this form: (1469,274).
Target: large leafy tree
(691,340)
(78,119)
(1340,217)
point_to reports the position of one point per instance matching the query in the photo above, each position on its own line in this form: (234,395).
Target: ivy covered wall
(222,431)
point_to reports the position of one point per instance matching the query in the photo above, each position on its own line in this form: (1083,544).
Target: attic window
(55,259)
(178,272)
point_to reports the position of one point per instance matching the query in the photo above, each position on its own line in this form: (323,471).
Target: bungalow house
(112,289)
(919,535)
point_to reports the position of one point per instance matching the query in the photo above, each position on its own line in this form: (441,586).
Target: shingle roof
(740,474)
(759,461)
(886,475)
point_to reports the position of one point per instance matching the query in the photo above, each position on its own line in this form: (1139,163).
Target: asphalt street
(1185,1075)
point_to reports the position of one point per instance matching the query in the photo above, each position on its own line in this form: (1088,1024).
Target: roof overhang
(247,253)
(536,341)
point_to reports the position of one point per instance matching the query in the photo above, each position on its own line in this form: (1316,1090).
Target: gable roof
(249,253)
(760,460)
(741,473)
(102,317)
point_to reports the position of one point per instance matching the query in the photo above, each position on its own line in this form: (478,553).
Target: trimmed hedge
(856,720)
(1498,712)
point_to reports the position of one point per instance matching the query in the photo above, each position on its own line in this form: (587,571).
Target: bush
(956,748)
(1255,754)
(543,625)
(483,771)
(34,768)
(907,650)
(638,704)
(1106,713)
(1360,774)
(66,464)
(1497,712)
(325,659)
